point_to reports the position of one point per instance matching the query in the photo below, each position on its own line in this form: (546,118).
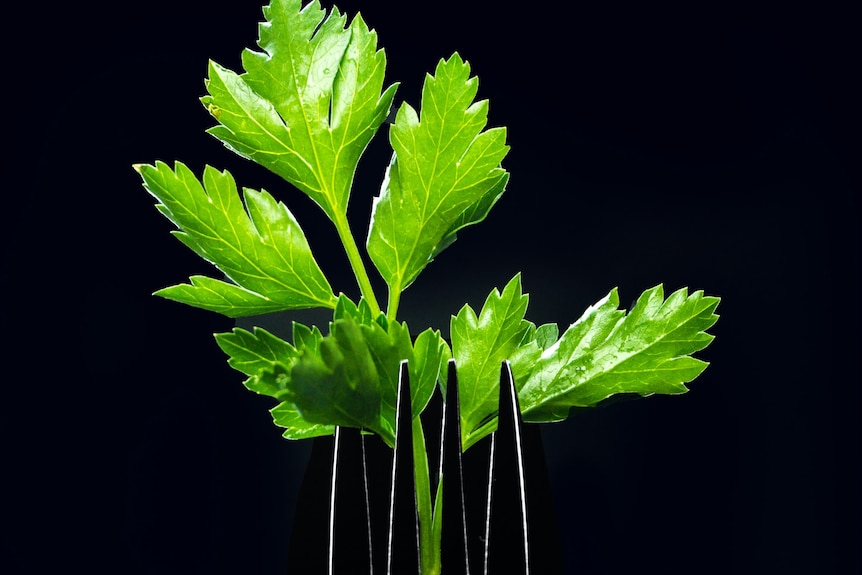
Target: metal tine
(403,543)
(454,552)
(507,544)
(349,507)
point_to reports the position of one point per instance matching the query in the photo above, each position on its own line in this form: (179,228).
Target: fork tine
(403,543)
(507,544)
(348,506)
(454,553)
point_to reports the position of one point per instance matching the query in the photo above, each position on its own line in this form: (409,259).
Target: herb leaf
(607,352)
(479,345)
(251,351)
(262,356)
(286,415)
(358,365)
(260,246)
(308,104)
(341,384)
(445,175)
(428,364)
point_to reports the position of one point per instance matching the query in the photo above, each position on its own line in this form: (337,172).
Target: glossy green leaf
(445,175)
(259,246)
(607,352)
(480,343)
(309,103)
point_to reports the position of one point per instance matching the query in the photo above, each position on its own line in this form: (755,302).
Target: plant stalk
(422,481)
(392,304)
(356,262)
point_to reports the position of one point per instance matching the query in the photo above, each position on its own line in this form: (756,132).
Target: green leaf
(308,104)
(306,337)
(331,377)
(349,377)
(389,344)
(474,214)
(259,247)
(427,365)
(390,341)
(607,352)
(445,175)
(345,308)
(479,345)
(250,351)
(286,415)
(341,384)
(546,335)
(266,359)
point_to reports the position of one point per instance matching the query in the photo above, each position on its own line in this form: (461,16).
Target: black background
(708,148)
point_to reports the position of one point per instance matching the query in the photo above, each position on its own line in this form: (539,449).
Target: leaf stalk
(422,480)
(392,304)
(356,263)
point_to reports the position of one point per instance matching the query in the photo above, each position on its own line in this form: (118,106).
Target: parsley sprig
(306,107)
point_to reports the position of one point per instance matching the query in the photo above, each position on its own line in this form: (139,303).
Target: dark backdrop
(706,148)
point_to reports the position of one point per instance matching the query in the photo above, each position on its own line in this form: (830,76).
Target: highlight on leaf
(258,246)
(308,103)
(445,174)
(608,352)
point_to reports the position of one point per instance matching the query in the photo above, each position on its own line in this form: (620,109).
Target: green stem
(437,532)
(356,263)
(422,478)
(392,304)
